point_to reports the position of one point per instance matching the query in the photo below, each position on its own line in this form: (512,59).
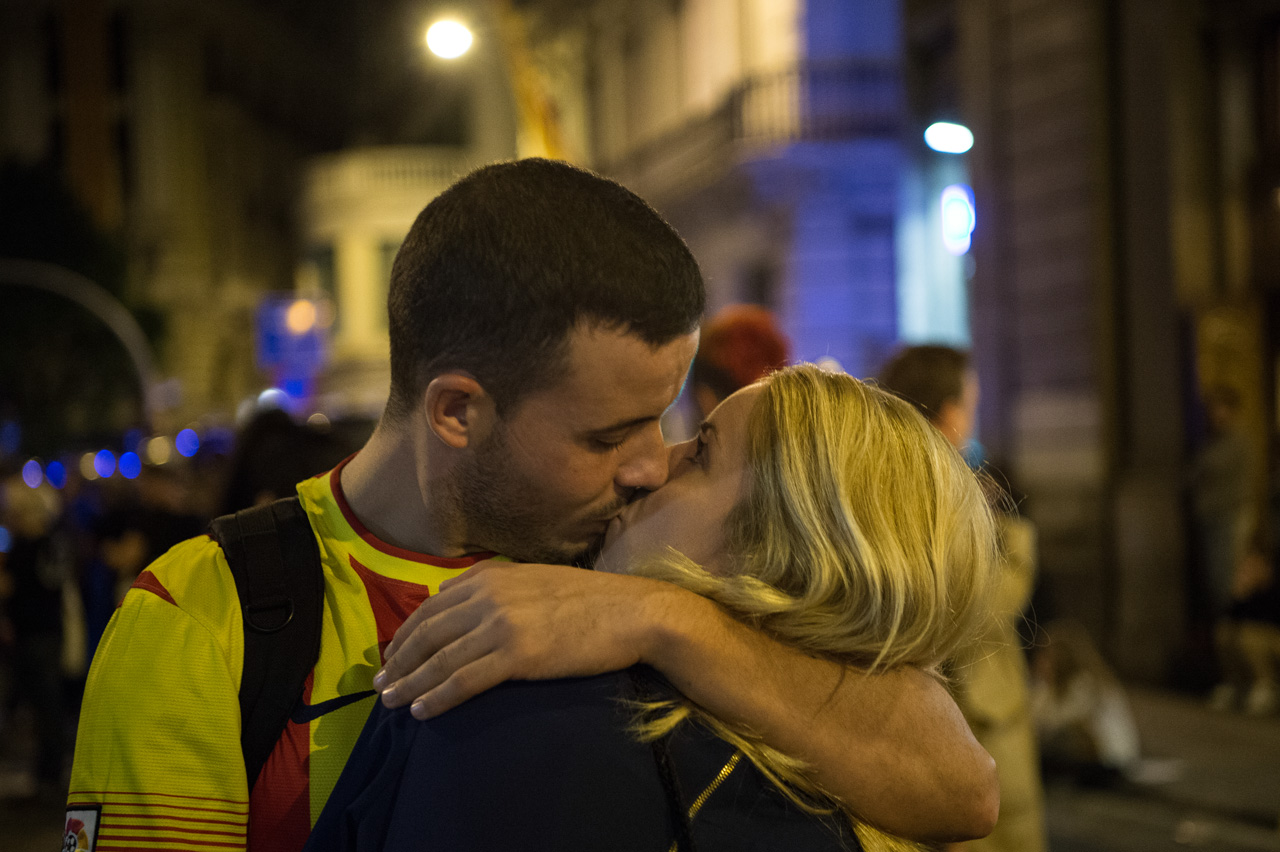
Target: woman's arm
(893,746)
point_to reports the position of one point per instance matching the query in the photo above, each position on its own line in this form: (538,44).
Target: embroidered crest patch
(81,832)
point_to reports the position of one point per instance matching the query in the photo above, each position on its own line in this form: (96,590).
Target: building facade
(182,128)
(768,133)
(1125,170)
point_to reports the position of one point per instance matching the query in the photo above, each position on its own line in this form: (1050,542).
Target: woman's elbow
(982,795)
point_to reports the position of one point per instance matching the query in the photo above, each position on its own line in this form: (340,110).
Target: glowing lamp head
(448,39)
(948,138)
(959,218)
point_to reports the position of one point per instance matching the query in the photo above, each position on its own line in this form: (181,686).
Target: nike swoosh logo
(304,713)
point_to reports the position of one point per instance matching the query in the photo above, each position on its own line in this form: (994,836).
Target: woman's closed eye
(699,454)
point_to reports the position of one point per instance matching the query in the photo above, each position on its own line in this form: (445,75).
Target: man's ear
(459,410)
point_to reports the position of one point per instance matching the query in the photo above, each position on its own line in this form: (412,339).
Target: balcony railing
(810,103)
(421,172)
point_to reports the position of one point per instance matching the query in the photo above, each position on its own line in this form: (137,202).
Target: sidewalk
(1225,799)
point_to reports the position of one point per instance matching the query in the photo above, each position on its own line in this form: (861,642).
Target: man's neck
(385,488)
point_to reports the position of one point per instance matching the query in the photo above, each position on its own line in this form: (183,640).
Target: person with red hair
(740,345)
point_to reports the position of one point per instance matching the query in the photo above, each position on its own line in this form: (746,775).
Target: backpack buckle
(256,615)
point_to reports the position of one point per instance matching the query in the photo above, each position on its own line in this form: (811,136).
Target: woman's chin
(611,557)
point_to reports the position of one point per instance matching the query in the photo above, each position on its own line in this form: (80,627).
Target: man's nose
(647,465)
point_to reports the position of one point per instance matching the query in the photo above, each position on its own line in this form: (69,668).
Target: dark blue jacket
(549,765)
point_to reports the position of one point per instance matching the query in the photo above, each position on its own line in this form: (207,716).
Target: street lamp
(448,39)
(948,138)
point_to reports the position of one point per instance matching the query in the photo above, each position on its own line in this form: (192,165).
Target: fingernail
(419,709)
(380,680)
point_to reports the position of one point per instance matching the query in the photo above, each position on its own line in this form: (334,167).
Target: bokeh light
(87,468)
(948,138)
(159,450)
(448,39)
(6,540)
(130,465)
(273,398)
(958,218)
(104,463)
(32,473)
(187,442)
(300,317)
(56,474)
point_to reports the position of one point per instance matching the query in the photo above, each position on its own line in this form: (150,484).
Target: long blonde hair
(863,538)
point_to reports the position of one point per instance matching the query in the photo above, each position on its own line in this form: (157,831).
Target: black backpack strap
(275,561)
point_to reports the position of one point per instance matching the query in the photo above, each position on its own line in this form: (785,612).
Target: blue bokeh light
(104,463)
(130,465)
(273,398)
(6,540)
(187,442)
(56,474)
(959,218)
(32,474)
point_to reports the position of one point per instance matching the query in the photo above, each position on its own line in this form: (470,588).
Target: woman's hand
(503,621)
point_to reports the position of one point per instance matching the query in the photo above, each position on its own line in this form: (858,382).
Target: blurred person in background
(1221,484)
(38,569)
(991,679)
(740,345)
(1248,636)
(273,454)
(1086,726)
(142,519)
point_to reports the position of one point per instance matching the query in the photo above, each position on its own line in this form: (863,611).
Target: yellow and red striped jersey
(158,762)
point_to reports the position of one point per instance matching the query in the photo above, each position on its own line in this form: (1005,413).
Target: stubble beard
(503,510)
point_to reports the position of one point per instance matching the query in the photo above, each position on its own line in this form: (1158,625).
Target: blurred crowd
(69,554)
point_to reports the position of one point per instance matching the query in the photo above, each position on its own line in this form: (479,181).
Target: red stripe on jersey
(177,829)
(202,844)
(391,601)
(99,794)
(183,808)
(280,802)
(167,818)
(148,583)
(335,483)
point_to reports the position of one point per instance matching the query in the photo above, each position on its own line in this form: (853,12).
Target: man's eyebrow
(624,425)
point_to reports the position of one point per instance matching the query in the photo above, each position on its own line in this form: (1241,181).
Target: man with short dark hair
(939,381)
(542,319)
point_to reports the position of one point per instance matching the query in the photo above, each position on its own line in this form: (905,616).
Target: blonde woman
(821,509)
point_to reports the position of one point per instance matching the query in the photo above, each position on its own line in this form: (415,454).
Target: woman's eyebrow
(709,431)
